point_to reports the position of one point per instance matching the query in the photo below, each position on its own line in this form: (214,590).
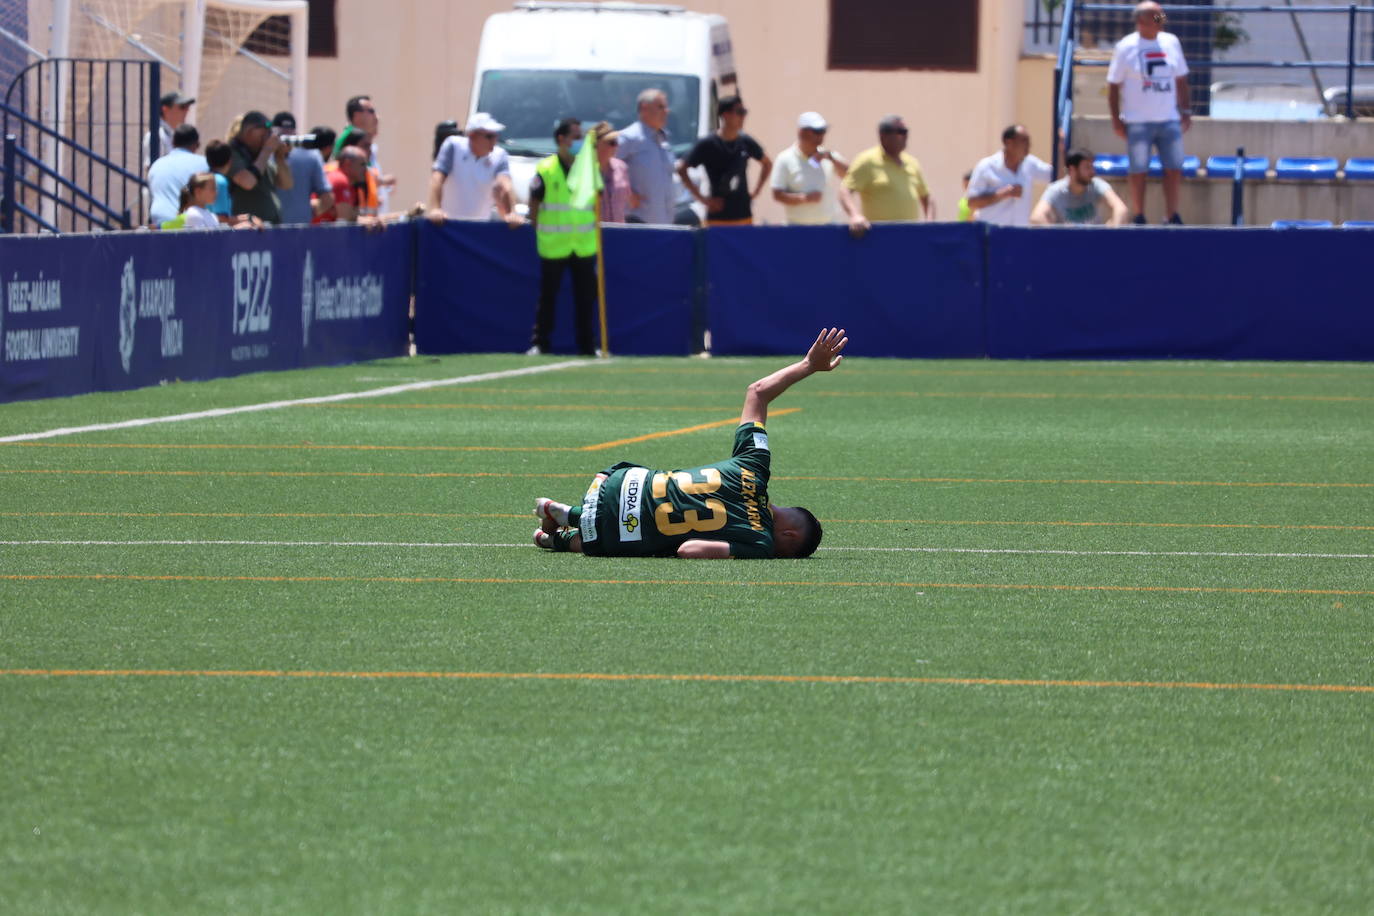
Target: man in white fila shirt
(1147,91)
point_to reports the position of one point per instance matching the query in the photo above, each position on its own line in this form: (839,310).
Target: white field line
(472,544)
(298,402)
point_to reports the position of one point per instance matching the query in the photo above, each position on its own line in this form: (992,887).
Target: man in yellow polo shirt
(884,183)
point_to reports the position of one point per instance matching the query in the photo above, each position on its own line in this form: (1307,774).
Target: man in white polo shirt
(1147,92)
(471,175)
(999,190)
(805,173)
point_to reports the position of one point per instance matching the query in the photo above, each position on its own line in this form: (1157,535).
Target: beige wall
(416,57)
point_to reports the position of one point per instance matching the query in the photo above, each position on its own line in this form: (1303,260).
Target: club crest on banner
(128,314)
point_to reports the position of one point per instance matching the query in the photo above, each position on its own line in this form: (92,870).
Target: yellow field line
(599,408)
(720,367)
(264,515)
(1242,525)
(676,432)
(681,678)
(1050,395)
(463,580)
(1075,481)
(167,473)
(306,446)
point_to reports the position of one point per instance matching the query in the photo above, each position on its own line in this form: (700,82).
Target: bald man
(1147,91)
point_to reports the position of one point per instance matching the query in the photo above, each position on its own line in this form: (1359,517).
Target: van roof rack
(598,6)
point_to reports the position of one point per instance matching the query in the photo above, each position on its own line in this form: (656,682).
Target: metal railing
(74,133)
(1241,38)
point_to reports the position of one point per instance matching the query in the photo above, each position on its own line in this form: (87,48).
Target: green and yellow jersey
(633,511)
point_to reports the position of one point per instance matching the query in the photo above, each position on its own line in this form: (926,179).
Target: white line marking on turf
(325,399)
(1116,553)
(457,544)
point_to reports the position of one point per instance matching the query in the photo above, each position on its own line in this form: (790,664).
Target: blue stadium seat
(1301,224)
(1190,166)
(1255,167)
(1358,224)
(1359,169)
(1109,166)
(1307,168)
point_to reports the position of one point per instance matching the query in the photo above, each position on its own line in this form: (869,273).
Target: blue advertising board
(1171,293)
(477,285)
(114,311)
(908,290)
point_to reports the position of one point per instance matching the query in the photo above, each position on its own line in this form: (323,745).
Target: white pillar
(300,48)
(192,49)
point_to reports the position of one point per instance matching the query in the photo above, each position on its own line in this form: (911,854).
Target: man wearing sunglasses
(885,183)
(470,177)
(1147,91)
(725,155)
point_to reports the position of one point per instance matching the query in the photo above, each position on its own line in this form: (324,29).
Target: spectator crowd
(265,172)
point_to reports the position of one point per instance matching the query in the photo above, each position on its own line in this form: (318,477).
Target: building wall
(416,57)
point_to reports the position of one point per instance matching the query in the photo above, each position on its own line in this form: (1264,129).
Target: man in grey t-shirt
(1075,198)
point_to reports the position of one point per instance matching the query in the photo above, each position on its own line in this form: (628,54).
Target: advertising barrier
(123,310)
(478,285)
(908,290)
(1171,293)
(114,311)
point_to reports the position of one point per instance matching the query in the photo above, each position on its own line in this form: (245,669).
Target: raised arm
(823,356)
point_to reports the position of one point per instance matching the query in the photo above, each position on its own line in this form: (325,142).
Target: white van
(550,60)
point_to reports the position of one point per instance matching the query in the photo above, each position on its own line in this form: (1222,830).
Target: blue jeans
(1166,136)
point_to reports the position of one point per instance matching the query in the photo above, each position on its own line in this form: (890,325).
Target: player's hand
(824,354)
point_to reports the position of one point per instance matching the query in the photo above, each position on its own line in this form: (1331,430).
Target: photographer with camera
(307,173)
(258,168)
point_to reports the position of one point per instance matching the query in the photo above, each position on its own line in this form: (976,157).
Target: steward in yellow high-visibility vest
(563,208)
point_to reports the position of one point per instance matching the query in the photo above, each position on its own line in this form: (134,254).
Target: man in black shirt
(725,156)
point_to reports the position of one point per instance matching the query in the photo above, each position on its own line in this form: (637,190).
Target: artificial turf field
(1081,637)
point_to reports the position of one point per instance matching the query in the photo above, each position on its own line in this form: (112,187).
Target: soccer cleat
(543,539)
(552,515)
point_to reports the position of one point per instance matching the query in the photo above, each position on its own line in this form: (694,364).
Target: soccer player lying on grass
(714,511)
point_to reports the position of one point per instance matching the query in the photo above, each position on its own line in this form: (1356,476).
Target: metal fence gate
(73,148)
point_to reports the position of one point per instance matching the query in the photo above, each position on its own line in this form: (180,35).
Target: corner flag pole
(601,281)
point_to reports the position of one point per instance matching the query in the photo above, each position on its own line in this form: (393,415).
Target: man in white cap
(805,173)
(471,175)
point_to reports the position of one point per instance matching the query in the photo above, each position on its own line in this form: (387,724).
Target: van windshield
(531,102)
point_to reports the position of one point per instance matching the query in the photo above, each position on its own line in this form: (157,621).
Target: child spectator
(196,201)
(217,157)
